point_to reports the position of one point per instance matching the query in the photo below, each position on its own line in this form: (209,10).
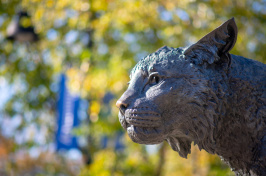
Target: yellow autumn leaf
(95,107)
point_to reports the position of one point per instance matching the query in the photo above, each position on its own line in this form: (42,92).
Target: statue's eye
(154,79)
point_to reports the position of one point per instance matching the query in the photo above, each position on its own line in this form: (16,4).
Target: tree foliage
(96,43)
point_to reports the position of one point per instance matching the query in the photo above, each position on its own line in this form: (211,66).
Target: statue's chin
(144,135)
(181,145)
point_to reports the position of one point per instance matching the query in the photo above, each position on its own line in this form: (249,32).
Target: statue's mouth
(140,118)
(143,125)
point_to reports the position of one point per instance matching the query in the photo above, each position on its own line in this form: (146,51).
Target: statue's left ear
(215,46)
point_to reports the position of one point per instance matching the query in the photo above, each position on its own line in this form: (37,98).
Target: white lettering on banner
(68,118)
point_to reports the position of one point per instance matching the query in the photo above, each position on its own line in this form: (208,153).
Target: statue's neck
(235,143)
(236,136)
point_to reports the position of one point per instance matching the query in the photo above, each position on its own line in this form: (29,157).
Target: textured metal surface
(201,94)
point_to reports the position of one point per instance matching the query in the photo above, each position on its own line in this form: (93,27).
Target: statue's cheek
(154,94)
(159,97)
(158,90)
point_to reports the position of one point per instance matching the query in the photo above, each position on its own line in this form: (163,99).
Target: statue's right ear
(215,45)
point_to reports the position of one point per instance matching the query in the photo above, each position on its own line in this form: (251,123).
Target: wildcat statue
(200,94)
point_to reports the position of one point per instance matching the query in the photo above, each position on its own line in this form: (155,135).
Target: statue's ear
(214,46)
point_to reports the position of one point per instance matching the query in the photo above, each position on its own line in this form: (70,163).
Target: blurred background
(64,63)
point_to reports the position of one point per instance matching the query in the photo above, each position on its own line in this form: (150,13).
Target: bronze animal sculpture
(201,94)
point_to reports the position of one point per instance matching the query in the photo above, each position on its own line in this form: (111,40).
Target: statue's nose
(121,105)
(124,101)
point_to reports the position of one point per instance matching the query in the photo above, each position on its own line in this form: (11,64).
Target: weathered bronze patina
(203,94)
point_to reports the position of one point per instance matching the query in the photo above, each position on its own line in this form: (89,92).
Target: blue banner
(68,105)
(119,144)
